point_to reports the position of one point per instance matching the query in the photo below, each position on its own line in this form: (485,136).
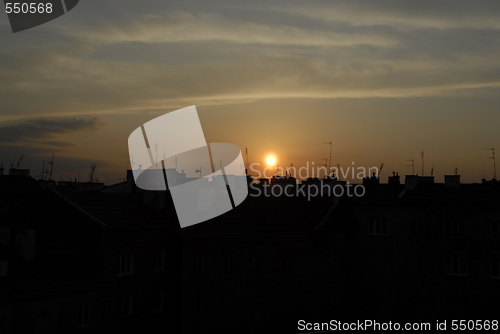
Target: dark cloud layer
(44,128)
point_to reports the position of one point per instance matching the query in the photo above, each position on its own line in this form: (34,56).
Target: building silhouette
(76,259)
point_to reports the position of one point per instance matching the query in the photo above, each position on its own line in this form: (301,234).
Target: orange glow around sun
(271,160)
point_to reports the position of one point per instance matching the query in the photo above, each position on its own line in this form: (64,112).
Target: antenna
(432,170)
(19,162)
(422,163)
(412,165)
(156,161)
(326,162)
(51,167)
(246,152)
(494,163)
(92,173)
(456,170)
(42,175)
(329,161)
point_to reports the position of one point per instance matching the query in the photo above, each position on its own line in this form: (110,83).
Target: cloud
(36,129)
(200,27)
(158,59)
(446,14)
(57,143)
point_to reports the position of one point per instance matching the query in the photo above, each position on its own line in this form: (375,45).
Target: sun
(271,160)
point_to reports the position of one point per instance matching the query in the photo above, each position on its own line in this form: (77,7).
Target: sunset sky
(382,80)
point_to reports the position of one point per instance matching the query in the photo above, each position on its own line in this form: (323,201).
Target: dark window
(125,264)
(457,266)
(160,260)
(495,230)
(83,315)
(377,226)
(454,229)
(416,227)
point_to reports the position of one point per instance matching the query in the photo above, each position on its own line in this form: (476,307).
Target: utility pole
(494,162)
(51,167)
(329,161)
(422,163)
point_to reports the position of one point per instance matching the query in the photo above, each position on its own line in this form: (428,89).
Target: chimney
(411,182)
(452,181)
(1,170)
(394,179)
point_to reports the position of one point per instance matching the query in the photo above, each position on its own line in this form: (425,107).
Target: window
(416,228)
(201,263)
(251,266)
(127,305)
(83,315)
(377,226)
(454,229)
(125,264)
(160,302)
(495,268)
(160,260)
(495,230)
(457,266)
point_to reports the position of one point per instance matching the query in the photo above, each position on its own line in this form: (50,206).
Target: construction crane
(494,163)
(380,170)
(92,173)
